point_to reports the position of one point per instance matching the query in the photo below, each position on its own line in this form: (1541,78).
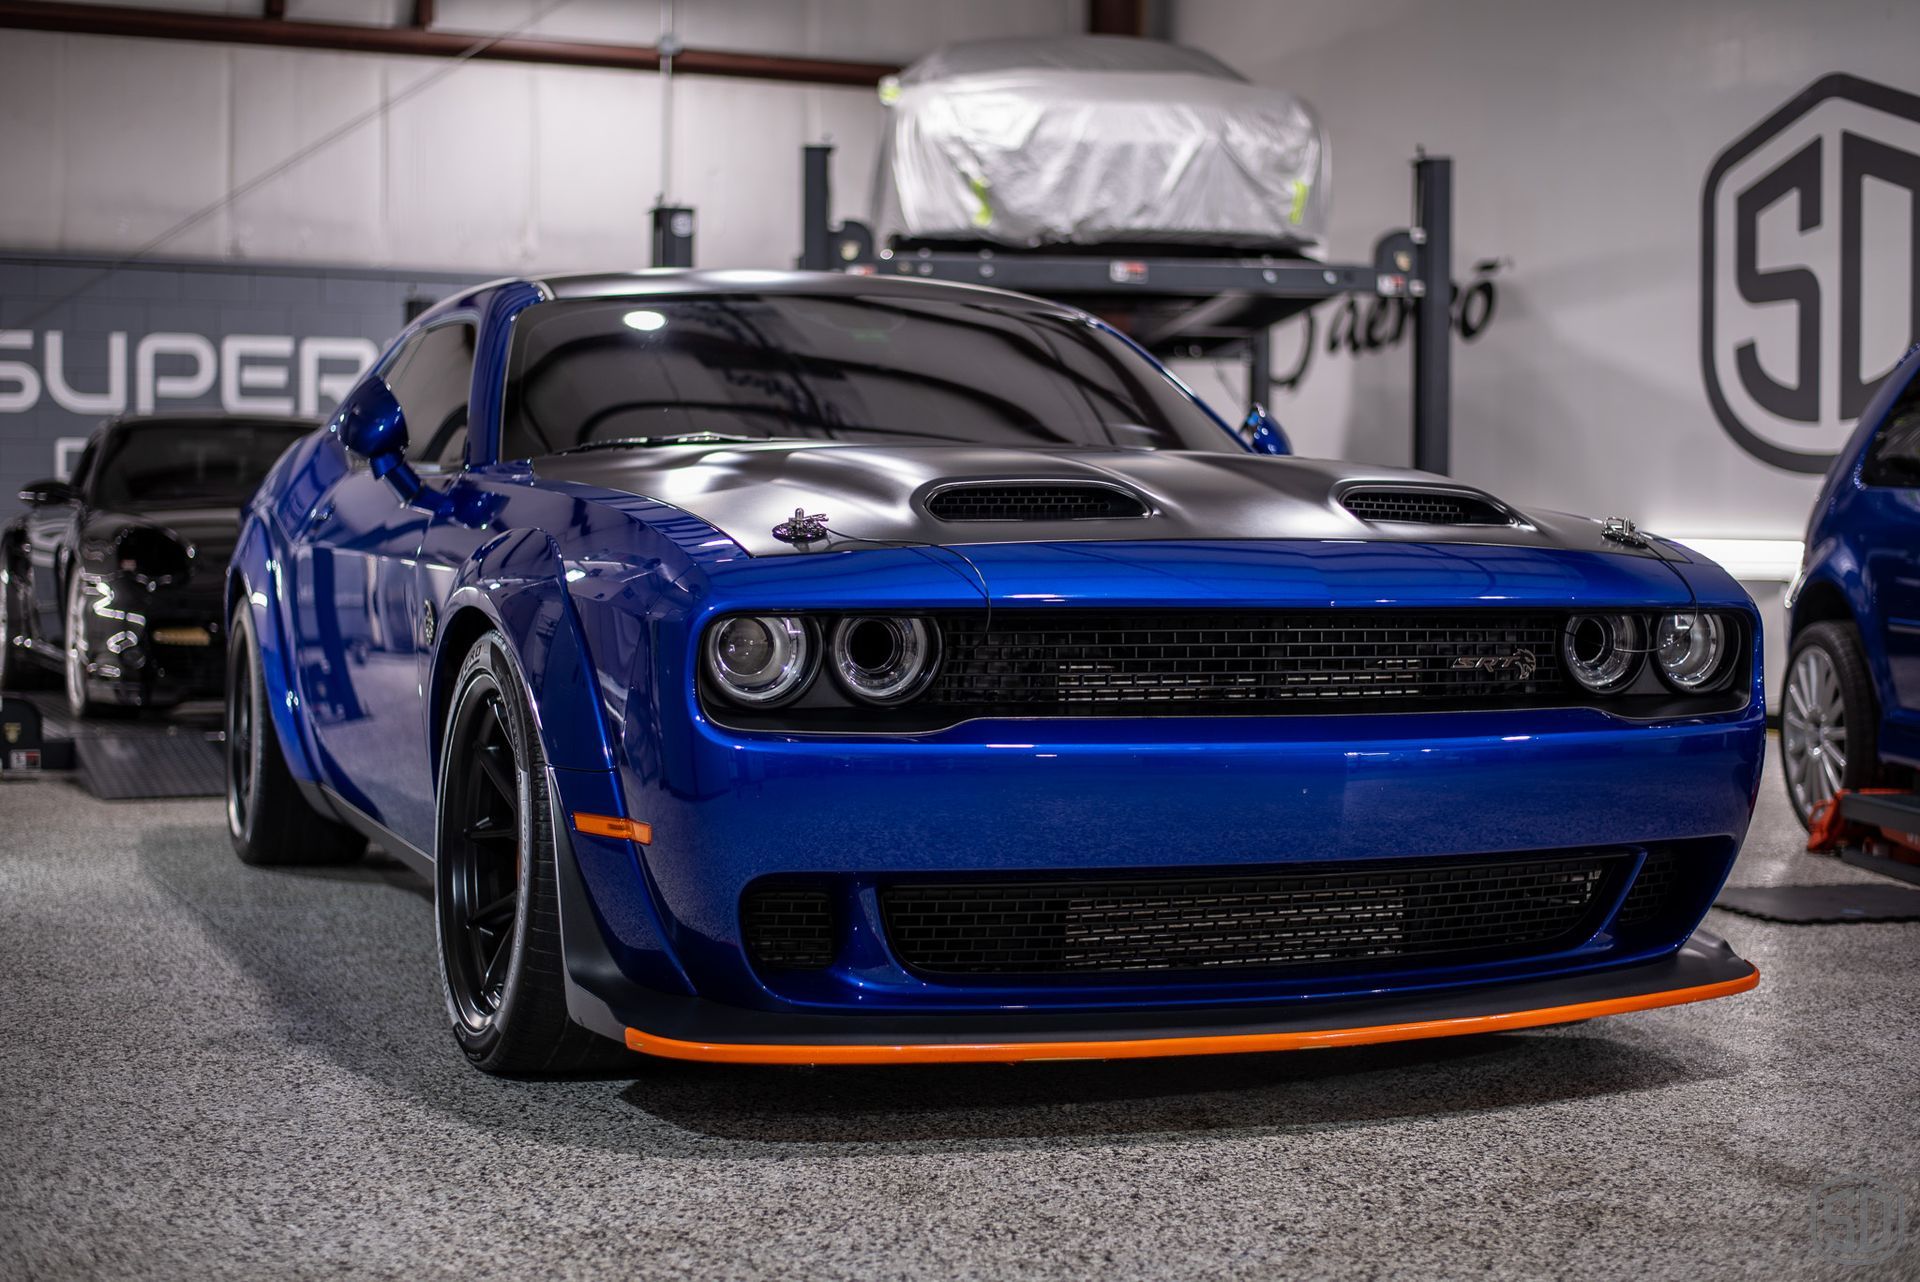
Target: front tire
(1829,724)
(496,895)
(80,704)
(268,819)
(18,671)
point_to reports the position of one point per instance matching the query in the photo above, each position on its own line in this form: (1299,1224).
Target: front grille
(1422,507)
(1094,663)
(1033,503)
(1652,892)
(788,927)
(1354,915)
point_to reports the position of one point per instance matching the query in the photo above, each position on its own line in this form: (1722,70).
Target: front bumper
(154,646)
(666,936)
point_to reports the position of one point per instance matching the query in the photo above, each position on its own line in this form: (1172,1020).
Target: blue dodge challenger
(790,668)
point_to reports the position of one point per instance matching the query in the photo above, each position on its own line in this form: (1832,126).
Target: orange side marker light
(609,826)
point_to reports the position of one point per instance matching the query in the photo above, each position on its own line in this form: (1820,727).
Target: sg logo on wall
(1810,268)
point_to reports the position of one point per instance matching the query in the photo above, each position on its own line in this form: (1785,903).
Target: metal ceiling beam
(219,28)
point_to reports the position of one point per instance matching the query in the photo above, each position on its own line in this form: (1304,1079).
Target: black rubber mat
(125,767)
(1816,905)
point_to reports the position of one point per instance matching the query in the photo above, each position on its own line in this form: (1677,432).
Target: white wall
(106,142)
(1582,136)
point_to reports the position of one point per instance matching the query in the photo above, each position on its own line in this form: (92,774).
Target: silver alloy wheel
(76,641)
(1813,730)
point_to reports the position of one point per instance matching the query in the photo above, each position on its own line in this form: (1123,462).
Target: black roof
(667,282)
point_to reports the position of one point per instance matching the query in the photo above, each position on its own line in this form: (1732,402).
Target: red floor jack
(1877,829)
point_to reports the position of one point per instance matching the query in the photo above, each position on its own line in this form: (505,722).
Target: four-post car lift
(1194,302)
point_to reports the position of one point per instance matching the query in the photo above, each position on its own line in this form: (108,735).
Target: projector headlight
(1692,649)
(1603,651)
(882,659)
(760,659)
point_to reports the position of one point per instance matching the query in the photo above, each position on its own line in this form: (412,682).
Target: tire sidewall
(9,662)
(73,669)
(242,650)
(487,666)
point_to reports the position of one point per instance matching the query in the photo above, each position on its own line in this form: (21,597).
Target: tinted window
(1894,458)
(431,378)
(84,468)
(220,464)
(839,368)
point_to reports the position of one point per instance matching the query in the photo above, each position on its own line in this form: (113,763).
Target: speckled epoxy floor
(213,1071)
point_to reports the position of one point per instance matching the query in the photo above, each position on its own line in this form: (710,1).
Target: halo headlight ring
(1603,652)
(1693,650)
(761,660)
(884,659)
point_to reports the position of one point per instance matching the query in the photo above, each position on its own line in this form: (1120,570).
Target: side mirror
(370,424)
(1264,432)
(49,491)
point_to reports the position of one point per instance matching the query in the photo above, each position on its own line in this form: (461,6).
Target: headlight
(1691,648)
(1603,650)
(884,660)
(760,659)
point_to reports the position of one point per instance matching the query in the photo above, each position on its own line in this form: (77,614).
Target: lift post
(672,236)
(1433,314)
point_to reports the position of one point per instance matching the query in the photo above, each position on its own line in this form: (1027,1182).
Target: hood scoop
(1419,505)
(1033,501)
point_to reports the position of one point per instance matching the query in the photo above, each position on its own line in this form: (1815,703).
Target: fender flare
(253,576)
(513,584)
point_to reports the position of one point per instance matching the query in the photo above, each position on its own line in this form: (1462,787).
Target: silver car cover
(1092,139)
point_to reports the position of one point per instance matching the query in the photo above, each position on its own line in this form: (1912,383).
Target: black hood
(893,493)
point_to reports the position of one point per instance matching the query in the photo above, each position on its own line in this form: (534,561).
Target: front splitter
(1704,968)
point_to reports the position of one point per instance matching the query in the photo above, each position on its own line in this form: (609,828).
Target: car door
(53,540)
(1890,537)
(355,567)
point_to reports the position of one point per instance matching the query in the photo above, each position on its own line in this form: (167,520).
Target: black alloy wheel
(486,803)
(268,819)
(18,671)
(496,893)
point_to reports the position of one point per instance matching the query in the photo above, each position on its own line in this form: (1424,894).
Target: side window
(431,378)
(83,470)
(1894,457)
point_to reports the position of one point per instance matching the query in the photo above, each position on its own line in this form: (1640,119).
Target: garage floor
(208,1070)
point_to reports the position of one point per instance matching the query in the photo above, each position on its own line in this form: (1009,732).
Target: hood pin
(801,528)
(1621,530)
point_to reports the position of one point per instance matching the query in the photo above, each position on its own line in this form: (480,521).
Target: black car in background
(115,579)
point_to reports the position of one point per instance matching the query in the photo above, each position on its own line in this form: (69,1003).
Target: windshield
(188,462)
(937,370)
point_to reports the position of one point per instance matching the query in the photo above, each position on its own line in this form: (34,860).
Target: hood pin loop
(801,528)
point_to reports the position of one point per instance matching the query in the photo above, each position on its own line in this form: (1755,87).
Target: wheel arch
(514,584)
(254,578)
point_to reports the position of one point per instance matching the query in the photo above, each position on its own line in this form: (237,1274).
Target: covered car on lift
(1096,140)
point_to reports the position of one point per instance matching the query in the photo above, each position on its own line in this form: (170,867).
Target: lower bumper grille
(1371,914)
(788,927)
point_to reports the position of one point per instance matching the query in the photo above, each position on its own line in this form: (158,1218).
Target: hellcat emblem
(1517,664)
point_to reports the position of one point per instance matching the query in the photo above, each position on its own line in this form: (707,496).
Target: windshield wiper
(685,438)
